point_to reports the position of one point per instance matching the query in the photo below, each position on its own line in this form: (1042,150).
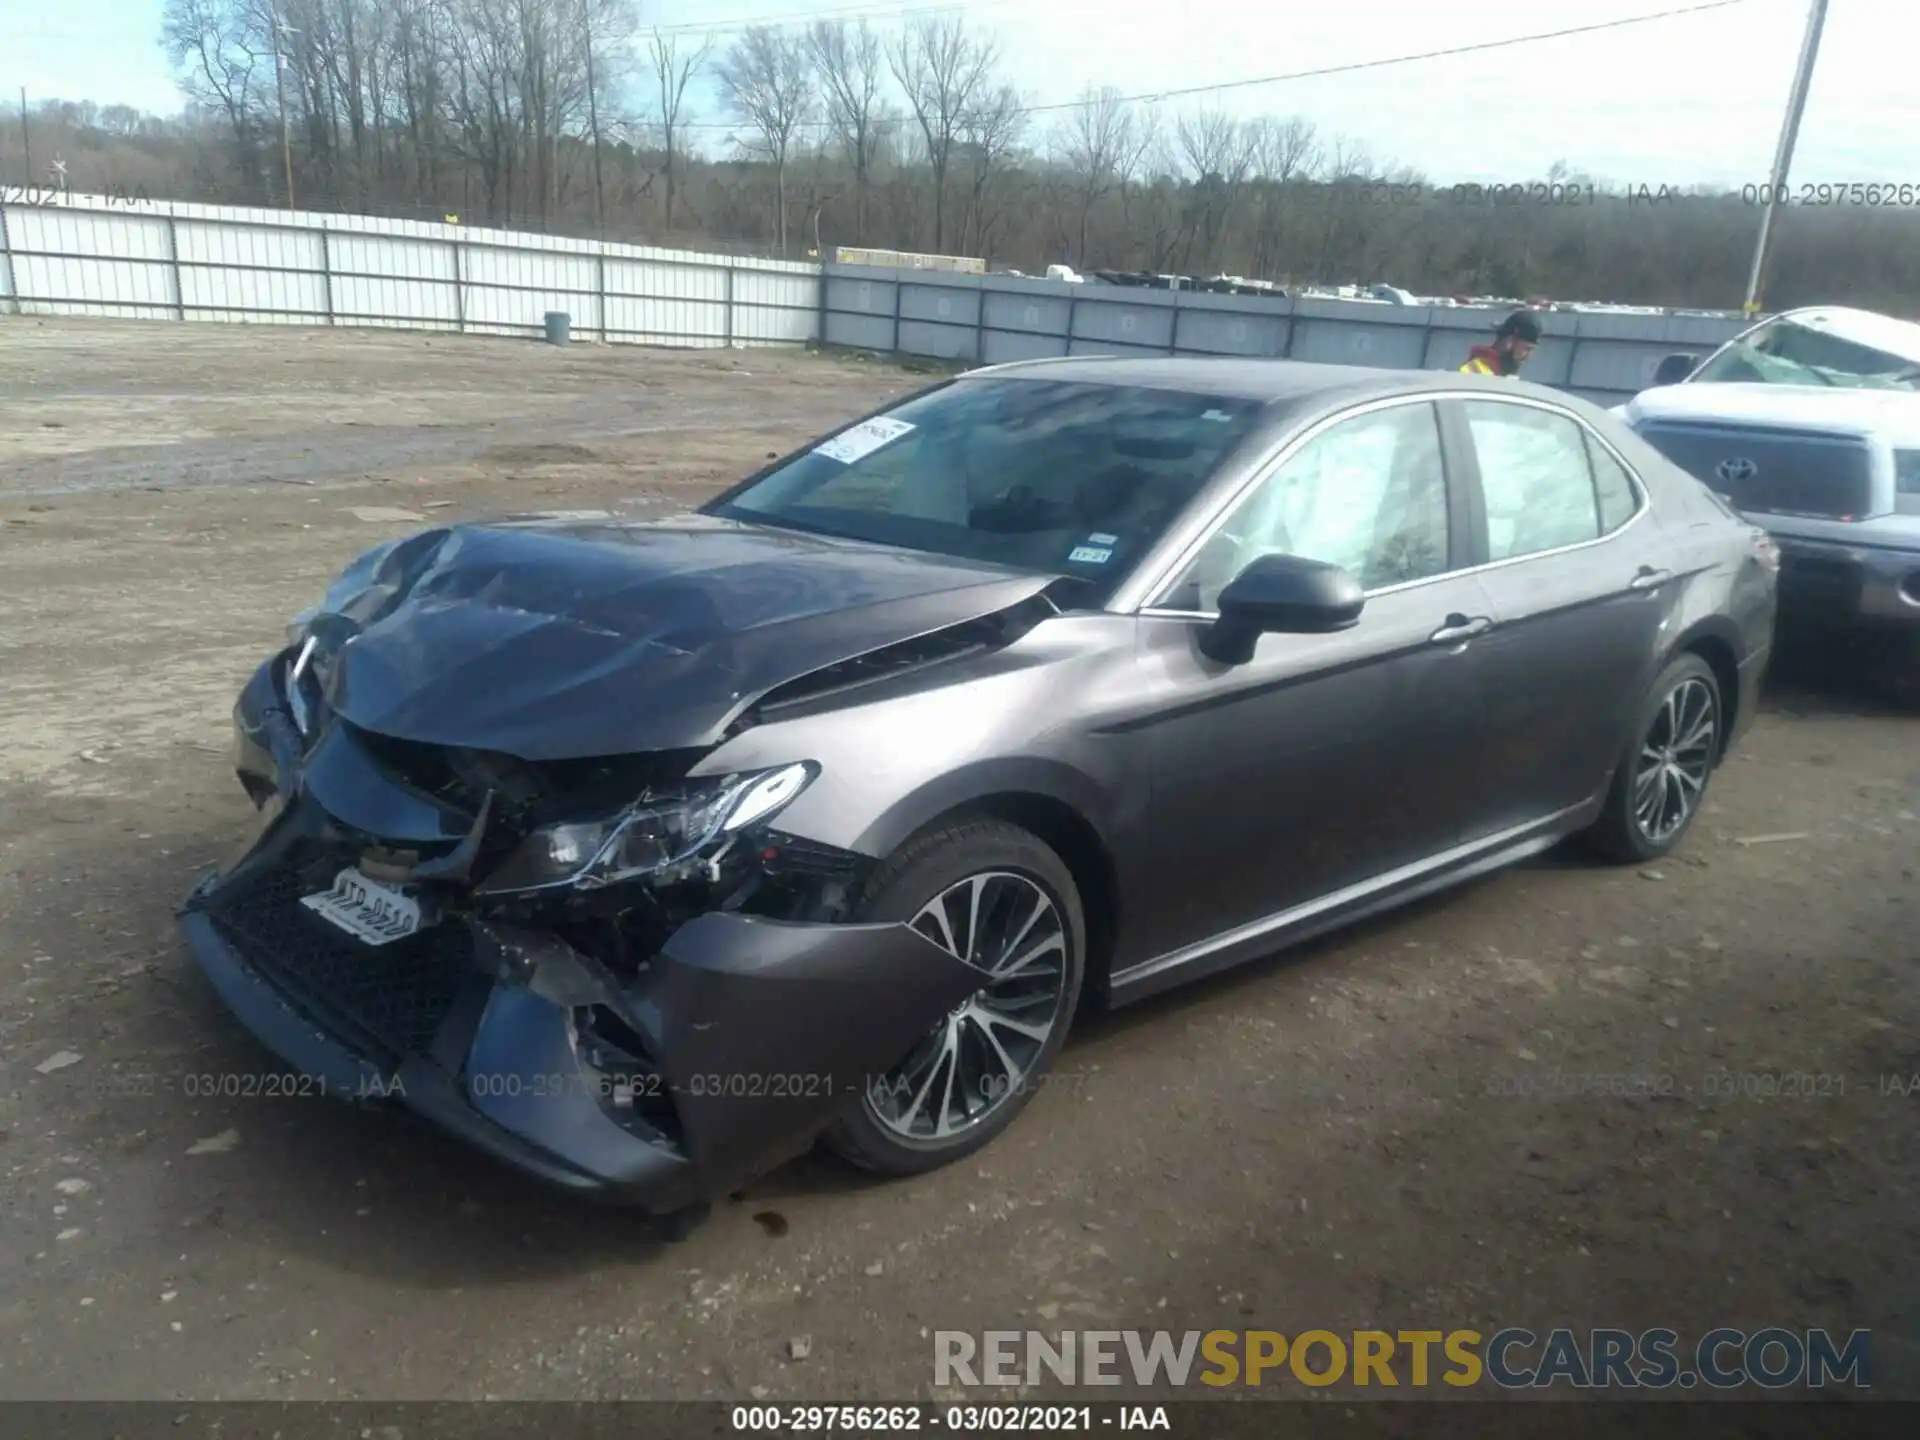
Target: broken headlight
(357,593)
(662,838)
(297,626)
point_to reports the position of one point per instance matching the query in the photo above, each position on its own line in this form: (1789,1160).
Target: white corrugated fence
(97,255)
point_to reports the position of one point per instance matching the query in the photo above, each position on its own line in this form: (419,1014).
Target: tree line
(572,116)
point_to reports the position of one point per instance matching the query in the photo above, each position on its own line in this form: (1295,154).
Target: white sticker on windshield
(1103,539)
(1089,555)
(1216,415)
(862,439)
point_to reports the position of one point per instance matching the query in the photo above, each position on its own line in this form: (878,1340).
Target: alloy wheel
(976,1058)
(1676,756)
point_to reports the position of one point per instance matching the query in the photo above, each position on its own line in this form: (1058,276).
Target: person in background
(1512,343)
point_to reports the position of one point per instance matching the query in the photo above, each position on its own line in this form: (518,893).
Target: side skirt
(1344,907)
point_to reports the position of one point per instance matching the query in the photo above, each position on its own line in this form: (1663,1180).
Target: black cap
(1521,325)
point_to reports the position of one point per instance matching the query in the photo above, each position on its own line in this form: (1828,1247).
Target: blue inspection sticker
(1089,555)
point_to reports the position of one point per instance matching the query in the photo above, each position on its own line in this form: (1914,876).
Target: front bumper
(755,1033)
(1837,583)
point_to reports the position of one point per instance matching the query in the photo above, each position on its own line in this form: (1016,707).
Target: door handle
(1460,627)
(1649,578)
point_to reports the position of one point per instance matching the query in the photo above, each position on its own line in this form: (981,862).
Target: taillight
(1766,552)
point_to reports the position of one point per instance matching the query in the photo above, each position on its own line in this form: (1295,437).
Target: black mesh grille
(1772,471)
(385,1001)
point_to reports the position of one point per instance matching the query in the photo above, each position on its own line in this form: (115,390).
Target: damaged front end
(609,974)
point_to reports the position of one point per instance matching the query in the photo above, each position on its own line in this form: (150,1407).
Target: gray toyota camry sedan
(641,855)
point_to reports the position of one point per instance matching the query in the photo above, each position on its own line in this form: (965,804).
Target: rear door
(1580,579)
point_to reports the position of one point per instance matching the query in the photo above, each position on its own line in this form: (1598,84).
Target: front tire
(1661,780)
(994,895)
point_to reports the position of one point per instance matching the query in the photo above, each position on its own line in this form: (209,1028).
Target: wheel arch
(1057,804)
(1715,642)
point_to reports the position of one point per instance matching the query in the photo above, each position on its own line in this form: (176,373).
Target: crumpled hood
(554,641)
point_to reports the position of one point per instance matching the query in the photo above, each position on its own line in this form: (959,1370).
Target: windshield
(1786,352)
(1059,477)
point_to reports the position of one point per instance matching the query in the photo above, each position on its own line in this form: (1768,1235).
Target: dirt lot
(1377,1131)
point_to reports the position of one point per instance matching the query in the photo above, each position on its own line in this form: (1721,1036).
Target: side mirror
(1281,595)
(1675,368)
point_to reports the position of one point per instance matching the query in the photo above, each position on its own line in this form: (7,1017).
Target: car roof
(1287,384)
(1862,327)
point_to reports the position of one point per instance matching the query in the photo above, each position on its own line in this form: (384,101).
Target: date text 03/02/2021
(515,1084)
(291,1084)
(959,1419)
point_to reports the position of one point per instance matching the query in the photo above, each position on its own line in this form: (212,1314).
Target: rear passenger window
(1613,486)
(1537,479)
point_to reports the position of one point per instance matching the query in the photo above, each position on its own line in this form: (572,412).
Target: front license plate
(367,910)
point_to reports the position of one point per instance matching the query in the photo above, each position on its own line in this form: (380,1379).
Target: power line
(1452,50)
(1348,68)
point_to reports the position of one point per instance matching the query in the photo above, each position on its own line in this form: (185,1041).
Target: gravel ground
(1397,1127)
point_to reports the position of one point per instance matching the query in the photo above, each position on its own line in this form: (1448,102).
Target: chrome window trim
(1285,451)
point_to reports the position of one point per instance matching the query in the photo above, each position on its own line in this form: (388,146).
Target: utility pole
(26,135)
(1783,156)
(280,33)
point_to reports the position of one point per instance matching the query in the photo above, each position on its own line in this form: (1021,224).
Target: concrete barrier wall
(995,318)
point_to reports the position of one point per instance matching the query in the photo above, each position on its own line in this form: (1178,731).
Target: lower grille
(631,1087)
(385,1001)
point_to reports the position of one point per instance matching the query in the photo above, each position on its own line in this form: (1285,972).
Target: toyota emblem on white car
(1736,471)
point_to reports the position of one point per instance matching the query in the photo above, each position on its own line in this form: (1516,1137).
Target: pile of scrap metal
(1216,285)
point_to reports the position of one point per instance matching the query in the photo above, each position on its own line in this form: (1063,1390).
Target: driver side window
(1368,494)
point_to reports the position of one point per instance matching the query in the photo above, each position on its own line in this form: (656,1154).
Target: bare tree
(674,70)
(942,68)
(1348,168)
(219,50)
(1098,143)
(1154,198)
(1214,146)
(1283,152)
(849,61)
(518,109)
(986,136)
(766,82)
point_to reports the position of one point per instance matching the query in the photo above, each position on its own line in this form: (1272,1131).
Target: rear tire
(994,894)
(1662,777)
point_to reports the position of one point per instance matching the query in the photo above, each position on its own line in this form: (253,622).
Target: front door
(1326,760)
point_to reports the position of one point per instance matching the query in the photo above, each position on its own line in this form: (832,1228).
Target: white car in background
(1808,424)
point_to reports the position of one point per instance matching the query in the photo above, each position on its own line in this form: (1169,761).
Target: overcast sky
(1696,99)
